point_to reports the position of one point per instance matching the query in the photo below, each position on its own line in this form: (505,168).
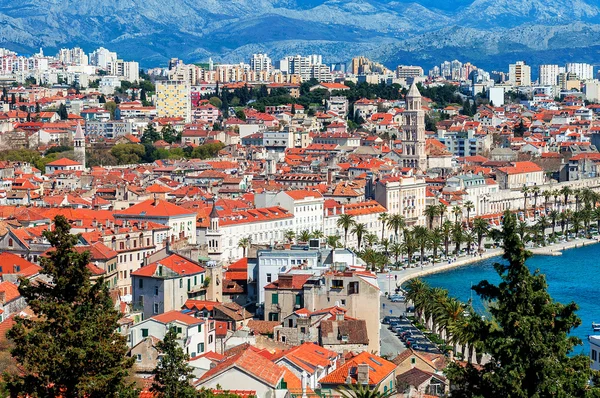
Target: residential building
(520,174)
(519,74)
(583,71)
(173,99)
(166,285)
(548,75)
(402,195)
(194,335)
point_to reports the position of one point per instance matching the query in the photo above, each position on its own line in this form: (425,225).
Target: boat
(596,327)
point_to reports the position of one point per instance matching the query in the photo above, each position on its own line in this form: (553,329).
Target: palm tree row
(561,197)
(451,319)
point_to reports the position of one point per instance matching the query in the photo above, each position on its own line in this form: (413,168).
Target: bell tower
(79,144)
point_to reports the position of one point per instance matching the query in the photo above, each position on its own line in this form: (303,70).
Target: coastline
(554,249)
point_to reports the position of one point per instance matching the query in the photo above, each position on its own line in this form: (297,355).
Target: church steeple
(79,144)
(413,132)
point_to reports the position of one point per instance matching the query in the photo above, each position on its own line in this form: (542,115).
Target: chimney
(362,373)
(304,382)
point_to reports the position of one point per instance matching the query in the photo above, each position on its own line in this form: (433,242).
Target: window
(353,288)
(156,290)
(156,308)
(268,278)
(178,330)
(413,360)
(210,339)
(302,329)
(298,299)
(594,355)
(144,332)
(275,298)
(343,302)
(195,282)
(10,242)
(138,357)
(199,328)
(181,283)
(141,283)
(337,284)
(200,348)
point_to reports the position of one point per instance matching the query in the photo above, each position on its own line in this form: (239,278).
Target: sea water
(574,276)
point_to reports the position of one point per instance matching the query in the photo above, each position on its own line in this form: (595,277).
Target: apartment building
(173,99)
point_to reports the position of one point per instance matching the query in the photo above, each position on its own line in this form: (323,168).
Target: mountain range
(488,33)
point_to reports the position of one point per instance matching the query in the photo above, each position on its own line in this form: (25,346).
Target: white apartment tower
(413,131)
(72,56)
(549,75)
(101,57)
(260,63)
(519,74)
(583,71)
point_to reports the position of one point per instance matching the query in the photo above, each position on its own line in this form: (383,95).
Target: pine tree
(143,96)
(62,112)
(70,347)
(172,375)
(37,108)
(150,134)
(526,338)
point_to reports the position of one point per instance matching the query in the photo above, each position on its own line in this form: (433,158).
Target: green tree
(359,229)
(345,222)
(364,391)
(62,112)
(431,212)
(128,153)
(333,241)
(172,375)
(110,106)
(481,228)
(526,338)
(169,134)
(70,347)
(304,236)
(150,134)
(244,243)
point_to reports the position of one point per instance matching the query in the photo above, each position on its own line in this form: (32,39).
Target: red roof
(155,208)
(521,167)
(9,263)
(177,316)
(176,263)
(379,369)
(63,162)
(303,194)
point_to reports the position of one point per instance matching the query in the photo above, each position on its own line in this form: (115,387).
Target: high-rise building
(173,99)
(260,62)
(101,57)
(519,74)
(406,71)
(72,56)
(456,66)
(583,71)
(129,70)
(548,75)
(413,140)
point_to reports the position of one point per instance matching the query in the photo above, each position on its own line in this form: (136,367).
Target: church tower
(79,144)
(413,135)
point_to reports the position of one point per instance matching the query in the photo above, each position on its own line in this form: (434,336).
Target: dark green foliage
(527,337)
(150,134)
(70,348)
(172,375)
(169,134)
(62,112)
(441,95)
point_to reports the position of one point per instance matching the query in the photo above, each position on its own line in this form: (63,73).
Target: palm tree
(431,212)
(345,222)
(564,222)
(421,236)
(289,235)
(547,194)
(358,390)
(385,243)
(397,222)
(576,223)
(371,239)
(469,206)
(447,227)
(449,313)
(442,209)
(469,238)
(409,246)
(396,250)
(542,224)
(481,228)
(565,192)
(333,241)
(586,217)
(416,292)
(525,192)
(437,298)
(359,230)
(317,234)
(536,191)
(597,217)
(457,237)
(383,217)
(244,243)
(457,210)
(556,193)
(436,238)
(522,230)
(554,214)
(304,236)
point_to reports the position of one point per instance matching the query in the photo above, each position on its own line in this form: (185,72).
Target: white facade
(592,90)
(260,63)
(595,352)
(582,70)
(496,95)
(102,57)
(519,74)
(403,195)
(548,75)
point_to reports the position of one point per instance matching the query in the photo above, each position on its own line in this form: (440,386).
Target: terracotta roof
(154,208)
(176,316)
(415,377)
(379,369)
(355,331)
(520,168)
(176,263)
(249,362)
(9,263)
(63,162)
(11,291)
(262,327)
(303,194)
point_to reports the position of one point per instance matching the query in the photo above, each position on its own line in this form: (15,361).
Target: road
(390,344)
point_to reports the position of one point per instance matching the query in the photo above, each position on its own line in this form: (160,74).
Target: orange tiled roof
(176,263)
(379,369)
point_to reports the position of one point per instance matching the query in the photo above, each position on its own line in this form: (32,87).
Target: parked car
(398,299)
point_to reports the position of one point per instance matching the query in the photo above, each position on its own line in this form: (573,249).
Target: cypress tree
(526,338)
(172,375)
(70,347)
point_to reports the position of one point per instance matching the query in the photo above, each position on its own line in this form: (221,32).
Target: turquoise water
(574,276)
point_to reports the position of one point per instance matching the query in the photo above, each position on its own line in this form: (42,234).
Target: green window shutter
(144,332)
(275,298)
